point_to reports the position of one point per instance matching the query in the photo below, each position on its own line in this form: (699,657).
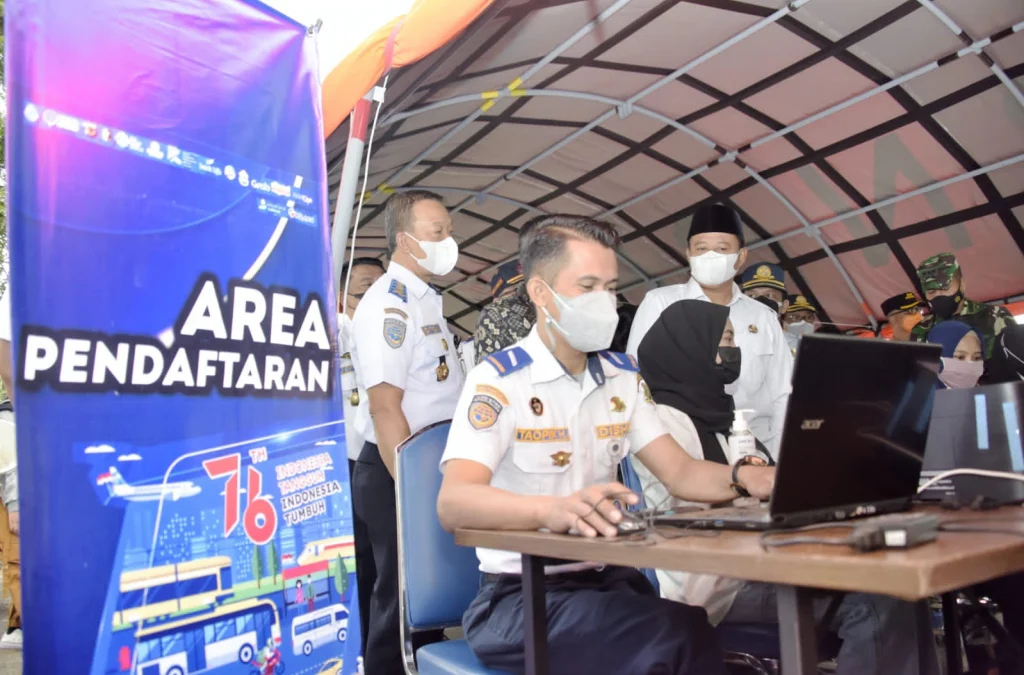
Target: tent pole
(345,203)
(815,234)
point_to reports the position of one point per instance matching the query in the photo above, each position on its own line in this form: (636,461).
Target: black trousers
(373,492)
(366,570)
(599,621)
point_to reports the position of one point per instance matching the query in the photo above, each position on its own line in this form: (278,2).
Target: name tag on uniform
(550,435)
(612,430)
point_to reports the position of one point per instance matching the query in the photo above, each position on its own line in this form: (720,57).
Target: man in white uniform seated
(535,443)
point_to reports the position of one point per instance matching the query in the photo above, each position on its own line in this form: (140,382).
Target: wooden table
(954,561)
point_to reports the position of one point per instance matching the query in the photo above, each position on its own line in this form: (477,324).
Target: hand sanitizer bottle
(741,441)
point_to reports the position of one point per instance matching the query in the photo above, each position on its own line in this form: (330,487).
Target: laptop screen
(979,428)
(856,425)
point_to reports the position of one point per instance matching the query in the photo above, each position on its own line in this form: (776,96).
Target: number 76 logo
(259,518)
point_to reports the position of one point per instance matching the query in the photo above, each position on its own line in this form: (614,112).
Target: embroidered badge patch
(397,289)
(395,310)
(492,391)
(394,332)
(483,411)
(561,458)
(432,329)
(542,435)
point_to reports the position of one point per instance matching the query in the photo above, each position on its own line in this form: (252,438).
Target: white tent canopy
(856,138)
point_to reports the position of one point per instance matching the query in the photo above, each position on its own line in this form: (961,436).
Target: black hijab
(677,360)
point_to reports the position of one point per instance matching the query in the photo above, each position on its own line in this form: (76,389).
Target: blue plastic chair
(437,579)
(631,480)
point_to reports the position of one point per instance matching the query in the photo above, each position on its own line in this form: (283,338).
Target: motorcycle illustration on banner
(185,495)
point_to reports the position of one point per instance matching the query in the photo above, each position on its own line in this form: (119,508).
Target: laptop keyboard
(754,513)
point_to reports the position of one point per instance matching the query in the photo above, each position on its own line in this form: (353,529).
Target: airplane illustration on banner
(118,487)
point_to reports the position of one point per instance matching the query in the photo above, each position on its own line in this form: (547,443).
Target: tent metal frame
(825,48)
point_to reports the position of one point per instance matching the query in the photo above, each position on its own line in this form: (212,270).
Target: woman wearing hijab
(689,362)
(962,355)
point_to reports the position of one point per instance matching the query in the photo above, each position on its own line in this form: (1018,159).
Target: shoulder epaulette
(619,360)
(397,289)
(509,360)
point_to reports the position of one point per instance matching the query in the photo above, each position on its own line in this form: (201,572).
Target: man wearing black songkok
(716,253)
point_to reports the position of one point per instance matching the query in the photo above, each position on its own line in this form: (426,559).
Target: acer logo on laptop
(811,425)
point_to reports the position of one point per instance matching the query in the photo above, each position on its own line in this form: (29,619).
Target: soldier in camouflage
(943,284)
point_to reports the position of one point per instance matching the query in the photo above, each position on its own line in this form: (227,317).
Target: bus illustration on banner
(244,575)
(171,589)
(230,634)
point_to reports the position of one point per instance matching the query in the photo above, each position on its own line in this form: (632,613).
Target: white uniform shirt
(766,370)
(792,341)
(715,594)
(352,390)
(467,354)
(541,432)
(402,338)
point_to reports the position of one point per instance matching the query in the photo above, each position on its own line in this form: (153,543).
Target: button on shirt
(402,339)
(541,431)
(352,390)
(767,362)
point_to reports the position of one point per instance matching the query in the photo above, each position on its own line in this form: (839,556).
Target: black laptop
(978,428)
(854,438)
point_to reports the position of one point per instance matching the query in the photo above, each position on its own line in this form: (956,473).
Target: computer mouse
(630,524)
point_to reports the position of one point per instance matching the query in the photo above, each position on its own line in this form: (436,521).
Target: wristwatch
(753,460)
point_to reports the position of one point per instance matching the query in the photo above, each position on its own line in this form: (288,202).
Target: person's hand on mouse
(591,512)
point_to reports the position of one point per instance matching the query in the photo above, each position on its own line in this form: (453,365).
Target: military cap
(798,303)
(509,274)
(936,273)
(900,303)
(763,275)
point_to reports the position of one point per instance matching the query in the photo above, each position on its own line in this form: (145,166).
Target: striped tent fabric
(855,139)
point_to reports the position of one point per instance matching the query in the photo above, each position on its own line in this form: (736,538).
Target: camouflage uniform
(503,323)
(936,273)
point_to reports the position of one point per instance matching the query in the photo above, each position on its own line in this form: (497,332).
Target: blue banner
(184,488)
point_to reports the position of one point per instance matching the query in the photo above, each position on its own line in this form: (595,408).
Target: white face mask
(958,374)
(587,321)
(800,328)
(441,256)
(713,268)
